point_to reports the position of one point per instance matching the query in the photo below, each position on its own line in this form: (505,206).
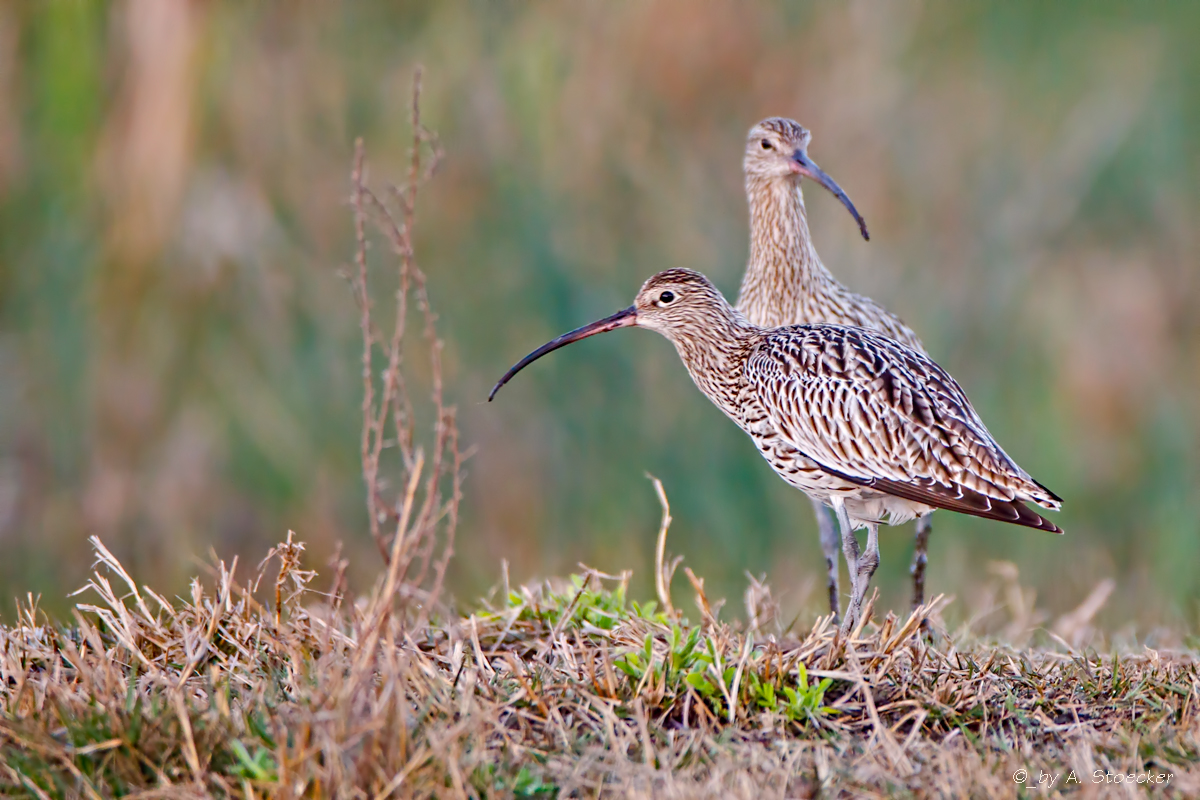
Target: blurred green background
(179,358)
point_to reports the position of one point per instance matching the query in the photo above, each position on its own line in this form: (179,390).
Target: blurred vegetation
(178,355)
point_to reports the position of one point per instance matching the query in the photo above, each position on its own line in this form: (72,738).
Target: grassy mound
(563,689)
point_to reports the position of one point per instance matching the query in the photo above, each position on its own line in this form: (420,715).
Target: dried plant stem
(370,432)
(663,571)
(428,509)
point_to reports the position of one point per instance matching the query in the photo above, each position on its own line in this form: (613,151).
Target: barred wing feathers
(883,416)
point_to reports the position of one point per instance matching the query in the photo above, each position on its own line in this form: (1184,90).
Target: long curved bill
(807,167)
(622,319)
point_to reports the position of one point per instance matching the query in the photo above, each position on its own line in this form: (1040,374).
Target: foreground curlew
(786,283)
(853,419)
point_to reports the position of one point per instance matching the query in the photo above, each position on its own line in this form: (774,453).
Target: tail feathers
(1050,501)
(962,500)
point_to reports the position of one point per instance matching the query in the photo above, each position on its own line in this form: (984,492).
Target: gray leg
(869,560)
(850,548)
(924,526)
(829,546)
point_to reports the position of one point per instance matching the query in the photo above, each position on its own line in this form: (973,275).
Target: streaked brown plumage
(786,283)
(846,415)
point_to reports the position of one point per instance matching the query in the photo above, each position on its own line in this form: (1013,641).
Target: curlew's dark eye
(666,297)
(766,145)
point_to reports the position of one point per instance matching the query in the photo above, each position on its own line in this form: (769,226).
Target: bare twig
(429,510)
(663,571)
(370,434)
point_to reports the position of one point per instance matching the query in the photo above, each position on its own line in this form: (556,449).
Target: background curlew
(786,283)
(852,418)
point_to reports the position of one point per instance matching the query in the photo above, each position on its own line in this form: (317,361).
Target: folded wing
(883,416)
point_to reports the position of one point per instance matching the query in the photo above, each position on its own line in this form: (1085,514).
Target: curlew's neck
(784,268)
(714,347)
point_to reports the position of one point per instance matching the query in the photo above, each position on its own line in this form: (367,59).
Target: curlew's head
(681,304)
(777,150)
(771,146)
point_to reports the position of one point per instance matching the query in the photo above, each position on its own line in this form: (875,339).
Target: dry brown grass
(267,686)
(563,689)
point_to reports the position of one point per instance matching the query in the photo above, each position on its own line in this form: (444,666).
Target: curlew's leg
(924,526)
(850,548)
(868,562)
(829,546)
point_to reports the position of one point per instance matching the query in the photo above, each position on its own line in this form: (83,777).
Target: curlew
(786,283)
(855,420)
